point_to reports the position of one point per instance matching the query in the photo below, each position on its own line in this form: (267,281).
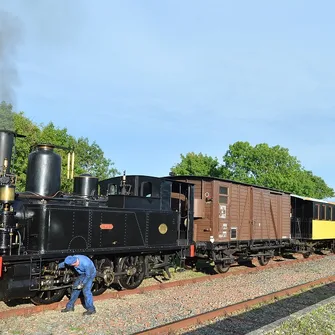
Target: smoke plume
(10,37)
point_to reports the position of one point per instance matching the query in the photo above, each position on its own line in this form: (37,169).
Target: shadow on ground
(262,316)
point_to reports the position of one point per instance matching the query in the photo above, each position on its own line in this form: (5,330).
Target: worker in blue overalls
(87,272)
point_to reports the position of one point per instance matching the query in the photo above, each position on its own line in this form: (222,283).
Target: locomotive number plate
(106,226)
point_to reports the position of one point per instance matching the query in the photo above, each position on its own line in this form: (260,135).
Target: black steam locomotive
(135,227)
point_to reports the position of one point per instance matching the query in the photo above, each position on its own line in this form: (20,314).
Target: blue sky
(149,80)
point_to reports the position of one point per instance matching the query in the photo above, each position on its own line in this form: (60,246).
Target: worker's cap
(69,260)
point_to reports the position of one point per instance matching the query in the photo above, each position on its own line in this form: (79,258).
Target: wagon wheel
(222,267)
(48,297)
(263,260)
(133,266)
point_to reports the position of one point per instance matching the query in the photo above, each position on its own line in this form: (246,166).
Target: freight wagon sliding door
(259,219)
(266,215)
(238,213)
(276,215)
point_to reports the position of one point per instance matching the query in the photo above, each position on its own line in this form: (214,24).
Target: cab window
(146,189)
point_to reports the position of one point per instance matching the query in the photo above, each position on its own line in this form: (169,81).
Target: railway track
(183,326)
(29,310)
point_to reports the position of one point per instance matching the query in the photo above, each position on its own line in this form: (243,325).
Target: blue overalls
(87,273)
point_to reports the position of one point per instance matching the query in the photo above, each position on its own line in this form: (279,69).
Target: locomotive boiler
(132,227)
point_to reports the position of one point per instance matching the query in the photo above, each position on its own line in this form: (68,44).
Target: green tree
(89,158)
(238,162)
(260,165)
(197,165)
(26,127)
(6,116)
(272,167)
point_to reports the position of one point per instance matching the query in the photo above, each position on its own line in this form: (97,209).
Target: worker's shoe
(67,310)
(89,312)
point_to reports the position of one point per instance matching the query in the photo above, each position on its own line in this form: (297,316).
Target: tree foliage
(260,165)
(6,116)
(89,158)
(26,127)
(197,165)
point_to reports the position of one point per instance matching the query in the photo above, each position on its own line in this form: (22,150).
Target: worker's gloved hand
(78,284)
(78,287)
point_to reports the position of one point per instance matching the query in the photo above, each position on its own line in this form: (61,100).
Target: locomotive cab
(168,197)
(137,192)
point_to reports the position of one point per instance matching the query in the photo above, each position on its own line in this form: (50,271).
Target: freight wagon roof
(313,199)
(225,180)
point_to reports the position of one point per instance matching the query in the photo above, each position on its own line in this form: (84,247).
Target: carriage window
(223,190)
(223,196)
(323,212)
(329,213)
(146,189)
(233,233)
(316,212)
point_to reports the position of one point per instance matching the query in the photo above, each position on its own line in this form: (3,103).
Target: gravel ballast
(134,313)
(286,314)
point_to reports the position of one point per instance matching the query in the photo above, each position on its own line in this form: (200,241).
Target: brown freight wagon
(235,221)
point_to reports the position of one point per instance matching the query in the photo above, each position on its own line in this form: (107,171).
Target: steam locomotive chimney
(6,149)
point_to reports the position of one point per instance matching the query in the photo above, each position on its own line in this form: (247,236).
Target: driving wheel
(134,271)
